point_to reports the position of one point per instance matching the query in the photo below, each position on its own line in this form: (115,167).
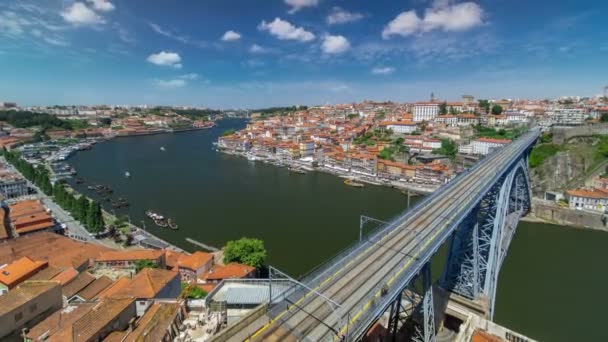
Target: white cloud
(231,36)
(170,84)
(284,30)
(166,58)
(56,41)
(190,77)
(335,44)
(255,48)
(383,70)
(342,16)
(441,16)
(297,5)
(79,14)
(102,5)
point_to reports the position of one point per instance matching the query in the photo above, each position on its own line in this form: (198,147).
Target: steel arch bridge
(389,270)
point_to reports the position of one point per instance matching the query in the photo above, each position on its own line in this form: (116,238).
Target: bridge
(389,271)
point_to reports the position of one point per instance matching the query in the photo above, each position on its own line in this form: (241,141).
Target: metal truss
(364,220)
(413,308)
(480,243)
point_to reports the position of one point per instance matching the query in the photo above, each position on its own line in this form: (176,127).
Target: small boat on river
(351,182)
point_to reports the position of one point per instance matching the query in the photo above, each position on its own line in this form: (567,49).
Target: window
(18,316)
(33,307)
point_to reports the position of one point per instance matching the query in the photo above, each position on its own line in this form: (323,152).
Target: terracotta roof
(154,324)
(66,276)
(145,254)
(229,271)
(3,230)
(195,260)
(588,193)
(147,283)
(47,273)
(59,324)
(20,270)
(206,287)
(23,294)
(172,258)
(58,250)
(482,336)
(81,281)
(94,288)
(114,288)
(98,317)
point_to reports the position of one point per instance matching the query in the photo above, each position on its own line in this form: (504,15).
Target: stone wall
(563,134)
(549,212)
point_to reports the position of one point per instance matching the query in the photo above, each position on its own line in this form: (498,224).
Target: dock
(202,245)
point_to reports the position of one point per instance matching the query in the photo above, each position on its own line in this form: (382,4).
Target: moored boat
(351,182)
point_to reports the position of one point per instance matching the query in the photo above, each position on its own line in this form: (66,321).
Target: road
(75,230)
(393,259)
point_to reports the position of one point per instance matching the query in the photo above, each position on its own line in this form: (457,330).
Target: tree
(192,291)
(448,148)
(604,117)
(485,105)
(94,217)
(443,108)
(496,109)
(228,132)
(81,208)
(141,264)
(245,251)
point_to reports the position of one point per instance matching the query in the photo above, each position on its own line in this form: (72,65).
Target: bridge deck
(391,261)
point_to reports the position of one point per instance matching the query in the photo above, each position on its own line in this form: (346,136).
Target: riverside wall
(549,212)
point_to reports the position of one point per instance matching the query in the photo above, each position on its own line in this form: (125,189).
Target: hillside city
(69,269)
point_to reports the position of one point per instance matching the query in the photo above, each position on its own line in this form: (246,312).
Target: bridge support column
(480,243)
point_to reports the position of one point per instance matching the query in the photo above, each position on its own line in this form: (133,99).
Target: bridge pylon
(479,245)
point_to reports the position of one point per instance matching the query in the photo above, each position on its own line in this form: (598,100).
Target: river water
(552,285)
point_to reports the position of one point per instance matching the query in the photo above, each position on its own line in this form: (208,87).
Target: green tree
(228,132)
(245,251)
(94,217)
(192,291)
(141,264)
(604,117)
(81,208)
(448,148)
(443,108)
(496,109)
(484,105)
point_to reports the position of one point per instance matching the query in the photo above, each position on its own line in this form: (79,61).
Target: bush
(542,152)
(246,251)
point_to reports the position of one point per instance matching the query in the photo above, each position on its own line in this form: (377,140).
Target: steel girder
(480,243)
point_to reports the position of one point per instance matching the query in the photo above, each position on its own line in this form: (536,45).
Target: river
(547,290)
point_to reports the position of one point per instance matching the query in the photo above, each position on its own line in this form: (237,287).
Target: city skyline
(284,52)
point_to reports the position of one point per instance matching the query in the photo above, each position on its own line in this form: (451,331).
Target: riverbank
(548,212)
(359,177)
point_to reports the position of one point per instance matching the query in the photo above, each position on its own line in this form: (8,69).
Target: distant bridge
(389,271)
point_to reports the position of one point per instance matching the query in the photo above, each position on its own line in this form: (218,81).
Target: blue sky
(257,53)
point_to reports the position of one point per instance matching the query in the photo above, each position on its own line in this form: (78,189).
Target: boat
(127,174)
(172,224)
(162,148)
(296,170)
(351,182)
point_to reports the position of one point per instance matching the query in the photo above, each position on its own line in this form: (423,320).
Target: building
(28,304)
(434,173)
(57,250)
(567,116)
(160,323)
(12,186)
(230,271)
(30,216)
(71,288)
(104,318)
(193,265)
(150,284)
(425,111)
(400,127)
(130,259)
(17,272)
(588,199)
(395,171)
(484,146)
(58,326)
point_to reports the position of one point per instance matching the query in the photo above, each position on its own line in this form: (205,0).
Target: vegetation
(78,124)
(228,132)
(245,251)
(193,291)
(141,264)
(485,105)
(273,111)
(546,138)
(496,109)
(352,116)
(443,108)
(487,132)
(542,152)
(87,212)
(604,117)
(448,148)
(26,119)
(105,122)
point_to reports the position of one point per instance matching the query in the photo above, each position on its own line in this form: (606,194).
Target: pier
(202,245)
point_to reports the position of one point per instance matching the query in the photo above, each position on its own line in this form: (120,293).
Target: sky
(261,53)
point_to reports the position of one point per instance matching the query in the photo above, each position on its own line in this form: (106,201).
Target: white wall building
(425,111)
(484,146)
(567,116)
